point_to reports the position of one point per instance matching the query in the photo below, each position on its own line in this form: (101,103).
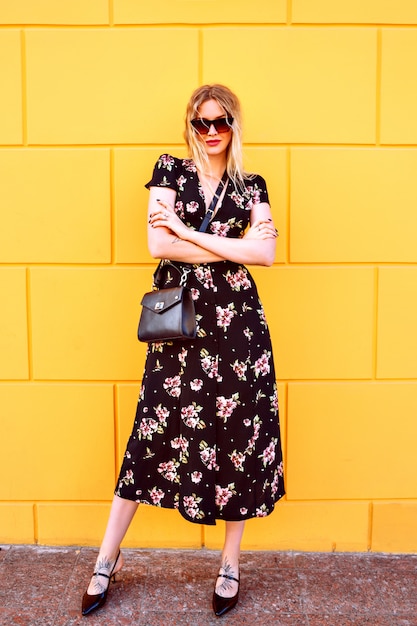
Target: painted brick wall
(92,93)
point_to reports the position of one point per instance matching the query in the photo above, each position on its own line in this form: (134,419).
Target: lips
(213,142)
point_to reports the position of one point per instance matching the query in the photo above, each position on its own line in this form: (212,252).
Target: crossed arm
(170,238)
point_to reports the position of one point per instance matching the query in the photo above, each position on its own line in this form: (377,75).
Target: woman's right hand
(164,216)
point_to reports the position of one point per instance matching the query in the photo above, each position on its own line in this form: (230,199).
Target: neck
(217,165)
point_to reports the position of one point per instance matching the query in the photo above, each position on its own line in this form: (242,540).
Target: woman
(206,436)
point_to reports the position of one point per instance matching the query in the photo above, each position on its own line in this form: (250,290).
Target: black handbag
(168,313)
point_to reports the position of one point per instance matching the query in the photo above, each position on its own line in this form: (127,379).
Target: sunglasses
(222,124)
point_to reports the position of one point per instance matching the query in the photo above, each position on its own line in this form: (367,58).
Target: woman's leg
(230,559)
(121,514)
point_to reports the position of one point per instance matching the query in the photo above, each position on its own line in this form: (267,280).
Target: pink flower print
(281,469)
(182,356)
(261,365)
(128,478)
(192,206)
(239,368)
(254,197)
(243,510)
(169,470)
(181,180)
(156,495)
(196,477)
(223,494)
(247,422)
(225,315)
(248,333)
(195,294)
(181,443)
(203,275)
(147,428)
(274,484)
(190,417)
(274,401)
(189,165)
(162,413)
(191,506)
(268,455)
(166,161)
(238,280)
(261,511)
(262,317)
(238,460)
(237,199)
(210,365)
(179,209)
(196,384)
(172,386)
(255,436)
(208,456)
(226,406)
(219,229)
(243,279)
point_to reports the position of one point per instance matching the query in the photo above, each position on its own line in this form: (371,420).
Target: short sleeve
(165,173)
(263,191)
(256,192)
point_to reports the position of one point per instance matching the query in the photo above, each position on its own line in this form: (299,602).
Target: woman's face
(215,143)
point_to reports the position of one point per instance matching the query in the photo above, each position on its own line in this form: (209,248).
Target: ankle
(107,563)
(108,556)
(230,560)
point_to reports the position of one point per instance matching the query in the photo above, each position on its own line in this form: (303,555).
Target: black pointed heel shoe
(93,602)
(223,605)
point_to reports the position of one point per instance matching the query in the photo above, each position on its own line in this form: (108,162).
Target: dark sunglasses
(222,124)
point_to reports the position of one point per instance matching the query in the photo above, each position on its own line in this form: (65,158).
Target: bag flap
(161,300)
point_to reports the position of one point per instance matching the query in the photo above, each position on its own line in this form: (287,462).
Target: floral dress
(206,437)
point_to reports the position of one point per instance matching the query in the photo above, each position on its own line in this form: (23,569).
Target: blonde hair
(227,100)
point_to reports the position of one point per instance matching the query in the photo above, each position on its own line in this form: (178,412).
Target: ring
(165,215)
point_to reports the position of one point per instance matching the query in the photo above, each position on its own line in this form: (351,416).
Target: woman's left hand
(261,229)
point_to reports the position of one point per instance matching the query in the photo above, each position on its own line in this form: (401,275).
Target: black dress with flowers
(206,436)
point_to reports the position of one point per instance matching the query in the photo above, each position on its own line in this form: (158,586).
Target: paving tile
(41,586)
(336,592)
(361,620)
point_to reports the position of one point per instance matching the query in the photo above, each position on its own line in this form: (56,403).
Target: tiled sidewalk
(43,587)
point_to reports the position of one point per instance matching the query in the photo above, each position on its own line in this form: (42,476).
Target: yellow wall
(92,93)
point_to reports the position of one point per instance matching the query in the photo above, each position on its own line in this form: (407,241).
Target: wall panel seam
(23,87)
(35,524)
(378,87)
(112,209)
(111,13)
(370,524)
(116,424)
(375,324)
(214,25)
(288,212)
(29,324)
(289,12)
(247,144)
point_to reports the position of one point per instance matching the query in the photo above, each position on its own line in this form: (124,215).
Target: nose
(212,130)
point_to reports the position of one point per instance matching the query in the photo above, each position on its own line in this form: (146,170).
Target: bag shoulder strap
(209,213)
